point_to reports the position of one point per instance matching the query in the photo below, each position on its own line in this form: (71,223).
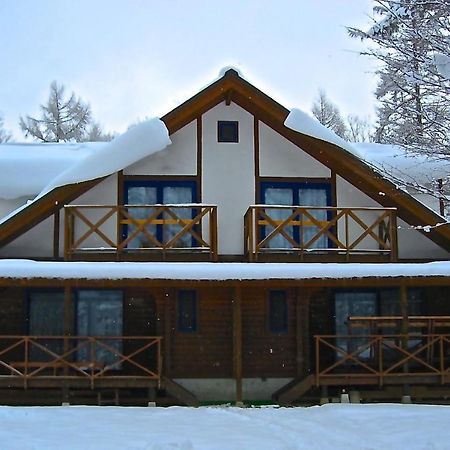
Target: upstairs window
(187,311)
(278,312)
(227,131)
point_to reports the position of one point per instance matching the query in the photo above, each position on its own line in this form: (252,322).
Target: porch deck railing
(382,359)
(136,228)
(88,358)
(307,229)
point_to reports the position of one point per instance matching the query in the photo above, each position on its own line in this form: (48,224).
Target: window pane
(278,312)
(227,131)
(313,197)
(353,304)
(187,311)
(99,313)
(46,318)
(177,195)
(278,196)
(141,195)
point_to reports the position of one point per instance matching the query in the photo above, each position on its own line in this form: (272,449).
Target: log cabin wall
(265,353)
(208,352)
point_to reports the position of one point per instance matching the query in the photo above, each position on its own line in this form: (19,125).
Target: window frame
(269,323)
(195,309)
(295,186)
(159,184)
(221,134)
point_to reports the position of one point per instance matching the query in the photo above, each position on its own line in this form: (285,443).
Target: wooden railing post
(393,236)
(213,233)
(237,340)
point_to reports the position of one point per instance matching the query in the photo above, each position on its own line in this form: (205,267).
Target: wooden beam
(56,231)
(256,158)
(169,299)
(302,299)
(237,340)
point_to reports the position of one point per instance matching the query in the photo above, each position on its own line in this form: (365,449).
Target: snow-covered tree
(95,134)
(327,113)
(359,129)
(5,135)
(62,119)
(411,39)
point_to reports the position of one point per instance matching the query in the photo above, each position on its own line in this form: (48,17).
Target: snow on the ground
(329,427)
(27,269)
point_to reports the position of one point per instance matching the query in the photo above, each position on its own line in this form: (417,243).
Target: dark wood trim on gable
(267,110)
(42,209)
(257,157)
(199,158)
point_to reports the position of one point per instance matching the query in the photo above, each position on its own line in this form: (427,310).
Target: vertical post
(405,330)
(213,233)
(237,341)
(302,332)
(67,233)
(68,322)
(169,297)
(56,230)
(393,236)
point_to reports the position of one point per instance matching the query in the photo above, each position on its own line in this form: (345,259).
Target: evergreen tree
(5,136)
(411,37)
(327,113)
(63,119)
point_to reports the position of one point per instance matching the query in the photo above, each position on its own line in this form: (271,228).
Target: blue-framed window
(278,312)
(187,311)
(154,192)
(99,312)
(296,194)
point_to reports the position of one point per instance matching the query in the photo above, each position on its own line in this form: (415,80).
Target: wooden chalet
(244,262)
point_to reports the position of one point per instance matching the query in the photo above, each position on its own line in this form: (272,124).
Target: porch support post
(237,341)
(302,298)
(56,231)
(68,331)
(169,297)
(404,332)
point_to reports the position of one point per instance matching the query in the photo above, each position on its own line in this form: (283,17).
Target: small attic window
(227,131)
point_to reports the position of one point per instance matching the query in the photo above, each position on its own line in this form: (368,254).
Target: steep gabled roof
(232,87)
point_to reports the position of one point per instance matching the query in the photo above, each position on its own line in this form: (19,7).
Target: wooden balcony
(342,234)
(384,359)
(140,231)
(80,361)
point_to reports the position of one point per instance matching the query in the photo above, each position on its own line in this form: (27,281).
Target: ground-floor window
(45,318)
(100,313)
(278,312)
(376,302)
(187,311)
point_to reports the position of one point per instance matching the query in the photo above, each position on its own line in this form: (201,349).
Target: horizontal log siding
(139,319)
(12,319)
(264,353)
(207,352)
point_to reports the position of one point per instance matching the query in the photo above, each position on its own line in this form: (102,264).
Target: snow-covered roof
(35,169)
(27,269)
(392,161)
(396,163)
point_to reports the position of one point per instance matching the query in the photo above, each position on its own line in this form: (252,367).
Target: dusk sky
(132,59)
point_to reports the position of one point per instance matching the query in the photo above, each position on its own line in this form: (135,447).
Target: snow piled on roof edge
(27,269)
(298,120)
(141,140)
